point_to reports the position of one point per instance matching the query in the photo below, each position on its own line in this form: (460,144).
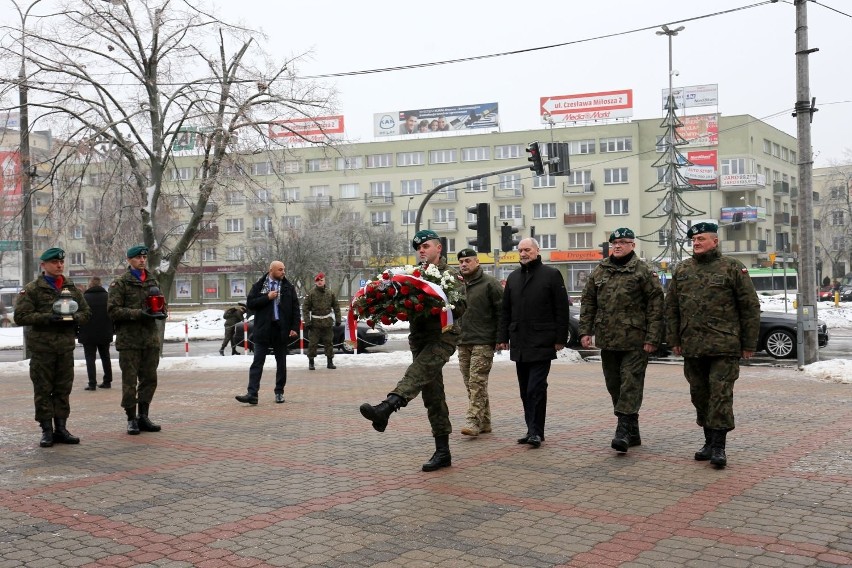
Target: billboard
(312,128)
(702,173)
(736,180)
(700,130)
(11,119)
(586,106)
(432,120)
(694,96)
(748,214)
(10,184)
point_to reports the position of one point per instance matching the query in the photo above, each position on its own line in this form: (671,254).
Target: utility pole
(807,304)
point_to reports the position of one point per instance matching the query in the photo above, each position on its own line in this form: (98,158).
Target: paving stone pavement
(310,483)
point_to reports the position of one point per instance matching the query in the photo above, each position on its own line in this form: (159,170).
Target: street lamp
(407,225)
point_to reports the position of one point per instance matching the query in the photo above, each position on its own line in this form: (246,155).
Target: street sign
(772,257)
(10,245)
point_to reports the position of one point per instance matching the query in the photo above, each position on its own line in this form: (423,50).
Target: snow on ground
(834,317)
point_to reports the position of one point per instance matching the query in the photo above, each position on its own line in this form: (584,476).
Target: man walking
(622,308)
(534,326)
(477,340)
(96,335)
(712,319)
(321,312)
(233,317)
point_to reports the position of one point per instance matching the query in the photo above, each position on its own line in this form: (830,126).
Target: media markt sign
(9,245)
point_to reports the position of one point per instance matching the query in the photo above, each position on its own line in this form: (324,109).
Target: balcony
(781,218)
(43,232)
(749,246)
(387,225)
(780,188)
(740,182)
(583,189)
(444,196)
(581,219)
(505,192)
(318,201)
(450,226)
(209,233)
(378,200)
(516,222)
(794,220)
(258,206)
(260,234)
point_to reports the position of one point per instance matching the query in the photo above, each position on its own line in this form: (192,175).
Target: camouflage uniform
(431,349)
(713,314)
(476,345)
(233,317)
(137,339)
(52,345)
(321,311)
(622,307)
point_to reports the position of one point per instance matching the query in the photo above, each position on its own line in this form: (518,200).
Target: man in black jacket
(276,321)
(96,335)
(533,326)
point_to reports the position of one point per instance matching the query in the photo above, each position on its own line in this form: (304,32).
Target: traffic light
(605,249)
(535,157)
(558,163)
(507,243)
(481,226)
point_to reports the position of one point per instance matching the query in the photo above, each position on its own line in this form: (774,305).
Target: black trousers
(532,381)
(90,350)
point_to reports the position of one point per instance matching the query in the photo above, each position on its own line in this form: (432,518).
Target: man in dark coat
(276,322)
(534,325)
(96,335)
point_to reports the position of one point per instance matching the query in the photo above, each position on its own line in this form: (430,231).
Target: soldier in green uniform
(431,348)
(478,339)
(622,308)
(712,319)
(321,313)
(137,339)
(51,340)
(233,317)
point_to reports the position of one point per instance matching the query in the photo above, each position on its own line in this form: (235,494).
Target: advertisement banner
(694,96)
(586,106)
(700,130)
(12,119)
(183,289)
(314,129)
(702,173)
(748,214)
(185,140)
(432,120)
(10,184)
(737,180)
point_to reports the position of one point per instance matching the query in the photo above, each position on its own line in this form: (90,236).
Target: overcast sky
(749,53)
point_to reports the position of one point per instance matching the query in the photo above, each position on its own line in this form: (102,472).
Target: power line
(832,9)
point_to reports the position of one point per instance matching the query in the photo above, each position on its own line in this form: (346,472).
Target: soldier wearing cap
(138,339)
(233,317)
(321,313)
(712,319)
(622,309)
(478,339)
(431,348)
(51,341)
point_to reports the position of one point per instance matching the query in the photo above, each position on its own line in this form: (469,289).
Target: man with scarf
(622,309)
(276,322)
(51,341)
(137,338)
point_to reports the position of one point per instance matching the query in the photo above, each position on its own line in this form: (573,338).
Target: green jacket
(484,301)
(127,295)
(622,306)
(319,304)
(712,307)
(34,307)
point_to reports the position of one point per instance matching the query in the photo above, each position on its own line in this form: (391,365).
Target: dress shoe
(246,398)
(524,440)
(105,386)
(534,440)
(91,387)
(279,398)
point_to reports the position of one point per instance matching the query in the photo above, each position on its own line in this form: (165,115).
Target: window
(579,207)
(785,154)
(233,225)
(733,166)
(615,175)
(351,163)
(318,165)
(180,174)
(410,159)
(838,218)
(262,224)
(615,207)
(509,212)
(476,185)
(234,198)
(508,151)
(208,254)
(544,181)
(442,156)
(580,177)
(350,190)
(290,167)
(378,218)
(510,181)
(767,146)
(77,232)
(576,147)
(379,160)
(476,154)
(78,258)
(580,241)
(290,194)
(443,215)
(546,241)
(411,186)
(380,188)
(544,211)
(793,157)
(663,237)
(318,191)
(235,253)
(291,221)
(409,216)
(261,169)
(210,286)
(438,181)
(661,144)
(178,202)
(776,150)
(621,144)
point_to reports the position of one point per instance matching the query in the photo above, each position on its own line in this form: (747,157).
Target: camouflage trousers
(324,335)
(138,375)
(424,376)
(475,364)
(52,375)
(711,387)
(624,374)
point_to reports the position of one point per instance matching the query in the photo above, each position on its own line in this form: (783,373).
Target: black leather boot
(717,449)
(633,430)
(704,453)
(61,435)
(145,424)
(330,365)
(441,457)
(380,413)
(132,423)
(311,364)
(46,433)
(621,440)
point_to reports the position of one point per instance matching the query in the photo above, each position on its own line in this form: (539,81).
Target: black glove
(159,315)
(56,319)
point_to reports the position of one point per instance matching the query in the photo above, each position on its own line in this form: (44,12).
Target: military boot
(621,441)
(46,433)
(380,413)
(311,364)
(132,423)
(61,435)
(717,449)
(145,424)
(704,453)
(633,430)
(441,457)
(330,365)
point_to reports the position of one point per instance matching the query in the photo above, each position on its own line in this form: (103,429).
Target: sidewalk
(310,483)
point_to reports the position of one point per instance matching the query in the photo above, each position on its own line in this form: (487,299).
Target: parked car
(367,337)
(846,293)
(826,294)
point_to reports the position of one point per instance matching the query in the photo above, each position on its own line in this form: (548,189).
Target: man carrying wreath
(431,346)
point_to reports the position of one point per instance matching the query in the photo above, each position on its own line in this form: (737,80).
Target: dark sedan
(367,337)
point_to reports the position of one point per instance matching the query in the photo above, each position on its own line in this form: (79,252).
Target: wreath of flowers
(408,293)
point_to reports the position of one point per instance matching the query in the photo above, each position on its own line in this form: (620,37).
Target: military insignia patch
(744,270)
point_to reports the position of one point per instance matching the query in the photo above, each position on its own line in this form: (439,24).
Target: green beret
(54,253)
(622,233)
(703,227)
(137,250)
(421,237)
(465,253)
